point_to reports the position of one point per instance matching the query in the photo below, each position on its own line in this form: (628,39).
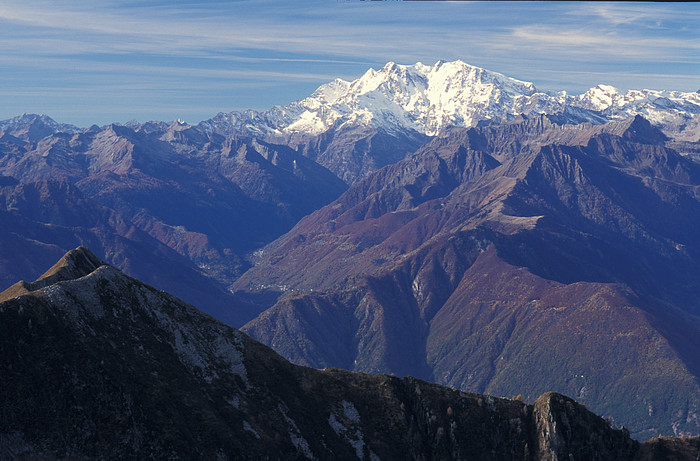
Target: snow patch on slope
(347,425)
(295,434)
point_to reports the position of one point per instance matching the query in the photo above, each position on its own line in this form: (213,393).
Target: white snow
(429,98)
(347,426)
(295,435)
(249,428)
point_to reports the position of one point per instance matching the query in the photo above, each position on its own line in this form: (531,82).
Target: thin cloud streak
(157,35)
(288,49)
(583,42)
(110,68)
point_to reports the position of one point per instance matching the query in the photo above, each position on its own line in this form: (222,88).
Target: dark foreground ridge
(95,364)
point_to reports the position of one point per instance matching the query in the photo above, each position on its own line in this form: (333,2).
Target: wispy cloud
(164,71)
(634,14)
(612,44)
(176,30)
(287,48)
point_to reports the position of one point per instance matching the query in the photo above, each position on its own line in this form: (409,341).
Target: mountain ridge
(428,99)
(600,219)
(599,216)
(407,103)
(208,197)
(105,366)
(42,220)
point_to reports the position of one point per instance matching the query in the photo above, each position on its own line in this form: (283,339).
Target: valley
(443,222)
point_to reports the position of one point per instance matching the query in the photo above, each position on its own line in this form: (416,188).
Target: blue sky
(86,62)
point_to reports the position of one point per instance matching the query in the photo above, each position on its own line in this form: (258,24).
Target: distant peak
(429,97)
(41,122)
(641,130)
(607,88)
(636,129)
(456,63)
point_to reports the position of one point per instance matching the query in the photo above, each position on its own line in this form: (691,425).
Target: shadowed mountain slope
(211,198)
(98,365)
(496,255)
(41,221)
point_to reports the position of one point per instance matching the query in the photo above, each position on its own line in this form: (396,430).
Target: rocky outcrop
(566,430)
(669,449)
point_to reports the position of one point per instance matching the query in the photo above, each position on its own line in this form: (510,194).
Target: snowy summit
(428,99)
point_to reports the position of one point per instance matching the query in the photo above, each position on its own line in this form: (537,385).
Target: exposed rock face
(669,449)
(566,430)
(508,259)
(98,365)
(352,152)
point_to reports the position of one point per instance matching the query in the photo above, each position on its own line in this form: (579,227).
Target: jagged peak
(428,98)
(389,67)
(31,118)
(75,264)
(604,88)
(553,410)
(636,129)
(116,129)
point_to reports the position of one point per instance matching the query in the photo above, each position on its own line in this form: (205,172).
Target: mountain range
(444,222)
(405,102)
(96,364)
(202,201)
(428,99)
(501,249)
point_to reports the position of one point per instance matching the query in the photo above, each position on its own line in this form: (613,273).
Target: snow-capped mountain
(675,112)
(428,99)
(420,97)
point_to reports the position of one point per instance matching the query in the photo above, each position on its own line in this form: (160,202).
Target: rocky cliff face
(98,365)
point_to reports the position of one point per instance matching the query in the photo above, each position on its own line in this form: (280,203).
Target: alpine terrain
(444,222)
(512,258)
(355,127)
(202,201)
(96,364)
